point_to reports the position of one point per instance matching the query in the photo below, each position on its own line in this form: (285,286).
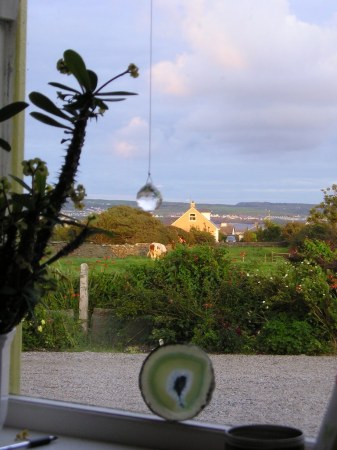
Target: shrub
(52,330)
(220,339)
(286,336)
(199,295)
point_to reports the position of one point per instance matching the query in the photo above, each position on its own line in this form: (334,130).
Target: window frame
(114,426)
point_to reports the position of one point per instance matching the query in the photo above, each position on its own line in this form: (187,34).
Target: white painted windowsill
(87,427)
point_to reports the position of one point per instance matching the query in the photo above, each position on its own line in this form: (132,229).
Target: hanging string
(150,97)
(149,197)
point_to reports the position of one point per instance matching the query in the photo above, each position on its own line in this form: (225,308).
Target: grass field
(72,263)
(256,257)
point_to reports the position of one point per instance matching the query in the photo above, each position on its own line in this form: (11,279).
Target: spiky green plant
(27,219)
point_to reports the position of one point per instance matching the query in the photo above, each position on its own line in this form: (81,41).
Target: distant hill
(168,209)
(274,208)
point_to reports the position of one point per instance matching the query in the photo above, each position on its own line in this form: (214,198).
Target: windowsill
(91,427)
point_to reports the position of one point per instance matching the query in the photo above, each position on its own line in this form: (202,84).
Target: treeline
(321,224)
(125,224)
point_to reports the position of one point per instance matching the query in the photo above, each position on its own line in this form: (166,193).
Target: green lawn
(256,257)
(72,264)
(254,254)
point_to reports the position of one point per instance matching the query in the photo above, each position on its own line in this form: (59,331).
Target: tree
(249,236)
(326,211)
(200,237)
(290,230)
(321,231)
(131,225)
(270,233)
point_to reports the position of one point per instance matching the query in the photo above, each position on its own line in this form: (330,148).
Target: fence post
(84,298)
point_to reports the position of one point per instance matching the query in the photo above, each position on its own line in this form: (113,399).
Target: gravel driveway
(288,390)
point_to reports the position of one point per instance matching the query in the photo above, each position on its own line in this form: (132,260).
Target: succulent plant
(28,218)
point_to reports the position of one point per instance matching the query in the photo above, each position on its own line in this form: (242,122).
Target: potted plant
(28,218)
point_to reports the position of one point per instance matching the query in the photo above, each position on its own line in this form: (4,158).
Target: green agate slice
(177,381)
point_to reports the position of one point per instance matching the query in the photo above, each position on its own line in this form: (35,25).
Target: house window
(192,216)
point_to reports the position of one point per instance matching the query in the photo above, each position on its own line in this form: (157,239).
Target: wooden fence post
(84,298)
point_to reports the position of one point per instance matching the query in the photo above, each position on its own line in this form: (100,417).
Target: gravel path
(288,390)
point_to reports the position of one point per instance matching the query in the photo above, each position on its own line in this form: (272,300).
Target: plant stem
(65,182)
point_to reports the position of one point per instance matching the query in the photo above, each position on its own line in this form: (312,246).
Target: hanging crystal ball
(149,198)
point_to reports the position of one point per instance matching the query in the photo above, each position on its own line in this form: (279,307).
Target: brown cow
(156,250)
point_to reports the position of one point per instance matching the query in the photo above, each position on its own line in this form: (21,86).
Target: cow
(156,250)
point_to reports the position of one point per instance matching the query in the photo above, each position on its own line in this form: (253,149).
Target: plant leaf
(5,145)
(112,99)
(48,120)
(117,93)
(21,183)
(63,86)
(44,103)
(11,110)
(93,79)
(77,67)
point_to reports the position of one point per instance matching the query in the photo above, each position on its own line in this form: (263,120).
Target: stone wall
(91,250)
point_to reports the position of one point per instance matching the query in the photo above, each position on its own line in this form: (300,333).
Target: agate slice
(177,381)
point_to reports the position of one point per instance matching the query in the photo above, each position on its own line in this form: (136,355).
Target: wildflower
(207,305)
(40,328)
(43,322)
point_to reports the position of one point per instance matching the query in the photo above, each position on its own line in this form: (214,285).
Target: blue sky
(244,96)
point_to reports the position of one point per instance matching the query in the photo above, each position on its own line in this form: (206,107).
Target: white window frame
(103,425)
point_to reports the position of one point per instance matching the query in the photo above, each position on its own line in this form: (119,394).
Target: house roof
(192,209)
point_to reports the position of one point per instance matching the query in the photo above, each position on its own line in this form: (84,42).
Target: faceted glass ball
(149,198)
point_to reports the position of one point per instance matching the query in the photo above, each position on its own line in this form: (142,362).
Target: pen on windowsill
(30,443)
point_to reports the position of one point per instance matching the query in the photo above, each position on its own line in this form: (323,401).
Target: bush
(52,330)
(54,325)
(220,339)
(199,295)
(285,336)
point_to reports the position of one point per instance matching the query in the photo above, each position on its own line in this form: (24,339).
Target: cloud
(128,141)
(169,77)
(244,94)
(252,75)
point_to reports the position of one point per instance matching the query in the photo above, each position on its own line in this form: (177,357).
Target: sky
(243,103)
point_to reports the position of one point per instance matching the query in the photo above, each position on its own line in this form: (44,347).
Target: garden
(223,299)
